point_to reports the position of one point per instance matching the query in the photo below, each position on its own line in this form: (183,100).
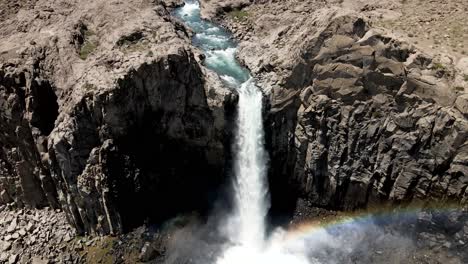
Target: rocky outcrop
(38,236)
(371,128)
(107,114)
(210,9)
(171,4)
(357,116)
(28,110)
(140,142)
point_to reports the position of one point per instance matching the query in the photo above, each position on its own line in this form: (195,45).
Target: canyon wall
(107,114)
(358,117)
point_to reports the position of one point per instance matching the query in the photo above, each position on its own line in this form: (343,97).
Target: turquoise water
(216,44)
(363,237)
(245,225)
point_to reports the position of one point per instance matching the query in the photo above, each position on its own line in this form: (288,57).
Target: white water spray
(246,225)
(250,167)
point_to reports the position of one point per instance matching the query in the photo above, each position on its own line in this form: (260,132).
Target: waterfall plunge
(247,222)
(248,242)
(248,218)
(245,226)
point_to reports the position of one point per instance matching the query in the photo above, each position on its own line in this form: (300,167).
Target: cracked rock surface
(107,113)
(358,115)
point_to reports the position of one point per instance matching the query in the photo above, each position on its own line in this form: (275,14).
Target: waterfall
(246,224)
(243,230)
(250,188)
(247,221)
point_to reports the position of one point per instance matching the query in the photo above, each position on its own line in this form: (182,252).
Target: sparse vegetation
(434,28)
(89,45)
(101,253)
(134,42)
(459,89)
(88,33)
(377,114)
(457,31)
(87,48)
(88,86)
(465,77)
(139,46)
(238,14)
(438,66)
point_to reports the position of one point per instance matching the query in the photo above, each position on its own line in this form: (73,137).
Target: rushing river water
(247,221)
(216,43)
(245,226)
(248,218)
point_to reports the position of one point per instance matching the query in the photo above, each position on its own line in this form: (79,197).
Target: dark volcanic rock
(111,118)
(28,109)
(37,236)
(152,135)
(356,116)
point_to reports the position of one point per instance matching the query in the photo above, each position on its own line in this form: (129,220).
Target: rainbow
(308,228)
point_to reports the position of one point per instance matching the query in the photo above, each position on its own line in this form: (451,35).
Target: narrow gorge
(304,132)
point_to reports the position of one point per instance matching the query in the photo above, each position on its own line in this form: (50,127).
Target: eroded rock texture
(138,143)
(366,132)
(357,116)
(28,111)
(107,113)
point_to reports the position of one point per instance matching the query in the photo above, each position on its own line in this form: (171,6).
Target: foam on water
(230,81)
(245,226)
(225,63)
(189,10)
(219,48)
(250,169)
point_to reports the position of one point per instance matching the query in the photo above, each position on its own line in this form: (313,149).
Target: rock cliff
(107,113)
(358,116)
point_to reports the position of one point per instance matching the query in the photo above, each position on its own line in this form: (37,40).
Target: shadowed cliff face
(115,120)
(28,111)
(146,150)
(110,115)
(357,117)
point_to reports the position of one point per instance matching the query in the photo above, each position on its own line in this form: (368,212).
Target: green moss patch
(239,14)
(89,45)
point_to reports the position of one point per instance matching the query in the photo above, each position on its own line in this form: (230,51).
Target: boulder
(210,9)
(462,104)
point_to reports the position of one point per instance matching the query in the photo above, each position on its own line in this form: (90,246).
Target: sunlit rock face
(366,132)
(102,109)
(356,115)
(113,119)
